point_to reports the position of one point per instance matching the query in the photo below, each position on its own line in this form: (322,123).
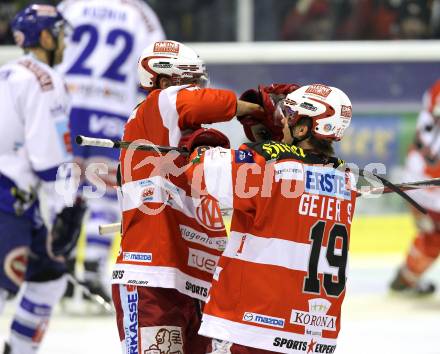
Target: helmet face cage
(28,24)
(285,111)
(199,79)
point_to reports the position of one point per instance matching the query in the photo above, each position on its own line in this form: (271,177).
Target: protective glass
(61,26)
(284,111)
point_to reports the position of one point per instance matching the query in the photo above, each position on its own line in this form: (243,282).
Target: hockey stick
(406,186)
(403,187)
(107,143)
(95,297)
(109,228)
(118,144)
(394,188)
(106,229)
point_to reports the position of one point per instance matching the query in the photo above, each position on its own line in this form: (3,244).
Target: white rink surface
(373,322)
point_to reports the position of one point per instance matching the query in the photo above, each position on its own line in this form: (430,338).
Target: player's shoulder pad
(40,73)
(274,150)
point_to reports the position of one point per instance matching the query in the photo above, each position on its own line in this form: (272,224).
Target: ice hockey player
(35,142)
(170,242)
(280,282)
(423,162)
(100,68)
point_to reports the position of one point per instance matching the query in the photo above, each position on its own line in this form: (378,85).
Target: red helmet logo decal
(319,90)
(346,111)
(166,47)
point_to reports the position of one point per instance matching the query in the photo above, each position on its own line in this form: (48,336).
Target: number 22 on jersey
(91,34)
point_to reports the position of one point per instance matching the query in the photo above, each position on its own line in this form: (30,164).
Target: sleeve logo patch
(244,156)
(42,76)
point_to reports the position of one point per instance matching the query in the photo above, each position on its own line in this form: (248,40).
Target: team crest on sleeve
(42,76)
(244,156)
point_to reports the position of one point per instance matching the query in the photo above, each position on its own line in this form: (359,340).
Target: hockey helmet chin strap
(295,140)
(51,56)
(55,33)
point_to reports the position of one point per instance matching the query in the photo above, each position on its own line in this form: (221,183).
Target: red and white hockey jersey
(170,239)
(423,161)
(280,282)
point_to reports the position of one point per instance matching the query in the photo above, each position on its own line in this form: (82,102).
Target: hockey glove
(204,137)
(260,126)
(66,228)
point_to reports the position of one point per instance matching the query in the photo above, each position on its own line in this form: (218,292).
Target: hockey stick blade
(95,297)
(406,186)
(118,144)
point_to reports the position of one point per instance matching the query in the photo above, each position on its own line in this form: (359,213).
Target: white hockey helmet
(171,59)
(328,107)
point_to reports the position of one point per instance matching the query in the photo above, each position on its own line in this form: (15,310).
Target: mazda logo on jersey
(248,316)
(208,214)
(263,319)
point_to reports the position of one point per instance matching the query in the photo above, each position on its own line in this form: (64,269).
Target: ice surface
(373,321)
